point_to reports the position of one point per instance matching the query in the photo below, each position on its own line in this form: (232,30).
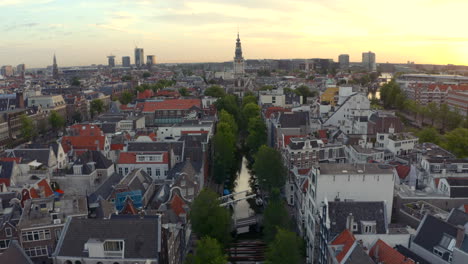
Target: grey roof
(53,145)
(136,180)
(410,254)
(361,211)
(15,254)
(293,119)
(430,233)
(28,155)
(101,162)
(177,147)
(106,188)
(457,217)
(108,128)
(345,169)
(142,236)
(359,256)
(6,169)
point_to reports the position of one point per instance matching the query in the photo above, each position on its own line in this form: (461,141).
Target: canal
(242,209)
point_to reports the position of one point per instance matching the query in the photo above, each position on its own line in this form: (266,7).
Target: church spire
(55,71)
(238,59)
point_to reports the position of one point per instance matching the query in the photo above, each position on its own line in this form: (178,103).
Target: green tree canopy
(225,146)
(126,97)
(392,96)
(56,121)
(429,134)
(28,130)
(305,92)
(257,134)
(275,216)
(208,251)
(285,248)
(126,78)
(250,110)
(225,117)
(75,81)
(208,218)
(215,91)
(184,91)
(146,74)
(269,168)
(229,103)
(456,141)
(96,106)
(266,88)
(433,112)
(248,99)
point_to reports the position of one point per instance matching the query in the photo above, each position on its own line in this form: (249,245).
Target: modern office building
(139,57)
(343,61)
(111,61)
(150,60)
(7,70)
(126,61)
(21,69)
(368,61)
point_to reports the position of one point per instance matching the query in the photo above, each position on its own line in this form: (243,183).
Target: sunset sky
(85,32)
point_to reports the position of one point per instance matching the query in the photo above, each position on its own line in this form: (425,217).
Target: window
(4,243)
(36,235)
(149,171)
(355,227)
(8,232)
(158,172)
(368,227)
(165,173)
(126,171)
(36,251)
(57,233)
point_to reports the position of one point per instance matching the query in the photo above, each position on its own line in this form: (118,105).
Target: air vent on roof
(344,171)
(360,171)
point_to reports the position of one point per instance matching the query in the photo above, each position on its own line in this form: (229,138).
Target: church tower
(55,72)
(238,59)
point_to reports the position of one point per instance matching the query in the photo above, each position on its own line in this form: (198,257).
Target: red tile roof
(383,253)
(15,159)
(177,205)
(117,146)
(130,158)
(346,238)
(168,93)
(465,206)
(145,94)
(83,143)
(287,139)
(41,185)
(403,171)
(172,104)
(303,171)
(85,130)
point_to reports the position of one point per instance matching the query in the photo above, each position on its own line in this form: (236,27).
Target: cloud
(23,2)
(203,18)
(20,26)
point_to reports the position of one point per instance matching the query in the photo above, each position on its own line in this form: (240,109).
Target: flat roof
(346,168)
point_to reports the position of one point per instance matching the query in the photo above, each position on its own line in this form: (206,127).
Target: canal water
(243,209)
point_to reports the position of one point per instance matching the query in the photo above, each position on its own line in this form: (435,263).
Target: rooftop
(346,169)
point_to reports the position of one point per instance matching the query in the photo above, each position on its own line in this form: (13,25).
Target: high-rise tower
(238,59)
(139,57)
(55,72)
(111,61)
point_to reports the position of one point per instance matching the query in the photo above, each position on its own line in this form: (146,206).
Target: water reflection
(243,209)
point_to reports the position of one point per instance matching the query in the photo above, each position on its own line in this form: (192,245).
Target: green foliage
(225,117)
(285,248)
(250,110)
(269,168)
(225,146)
(257,134)
(456,141)
(75,81)
(229,103)
(126,78)
(146,75)
(126,97)
(28,130)
(184,91)
(275,216)
(429,134)
(288,90)
(305,92)
(215,91)
(266,88)
(76,117)
(208,250)
(56,120)
(266,73)
(432,111)
(96,106)
(248,99)
(208,218)
(392,96)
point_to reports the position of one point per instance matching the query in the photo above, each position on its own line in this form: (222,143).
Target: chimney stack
(350,222)
(460,236)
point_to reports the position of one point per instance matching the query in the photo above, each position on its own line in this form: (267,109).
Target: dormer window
(369,227)
(114,248)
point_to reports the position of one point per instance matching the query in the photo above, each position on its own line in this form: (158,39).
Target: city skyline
(85,33)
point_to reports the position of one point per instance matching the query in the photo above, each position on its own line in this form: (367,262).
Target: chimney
(460,236)
(350,222)
(19,100)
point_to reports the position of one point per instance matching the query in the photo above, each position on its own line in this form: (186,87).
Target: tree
(125,98)
(146,75)
(225,145)
(456,141)
(208,250)
(257,134)
(229,103)
(250,110)
(208,218)
(269,168)
(97,106)
(225,117)
(429,134)
(126,78)
(28,130)
(76,117)
(75,81)
(275,216)
(215,91)
(285,248)
(266,88)
(248,99)
(433,112)
(56,121)
(184,91)
(454,119)
(305,92)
